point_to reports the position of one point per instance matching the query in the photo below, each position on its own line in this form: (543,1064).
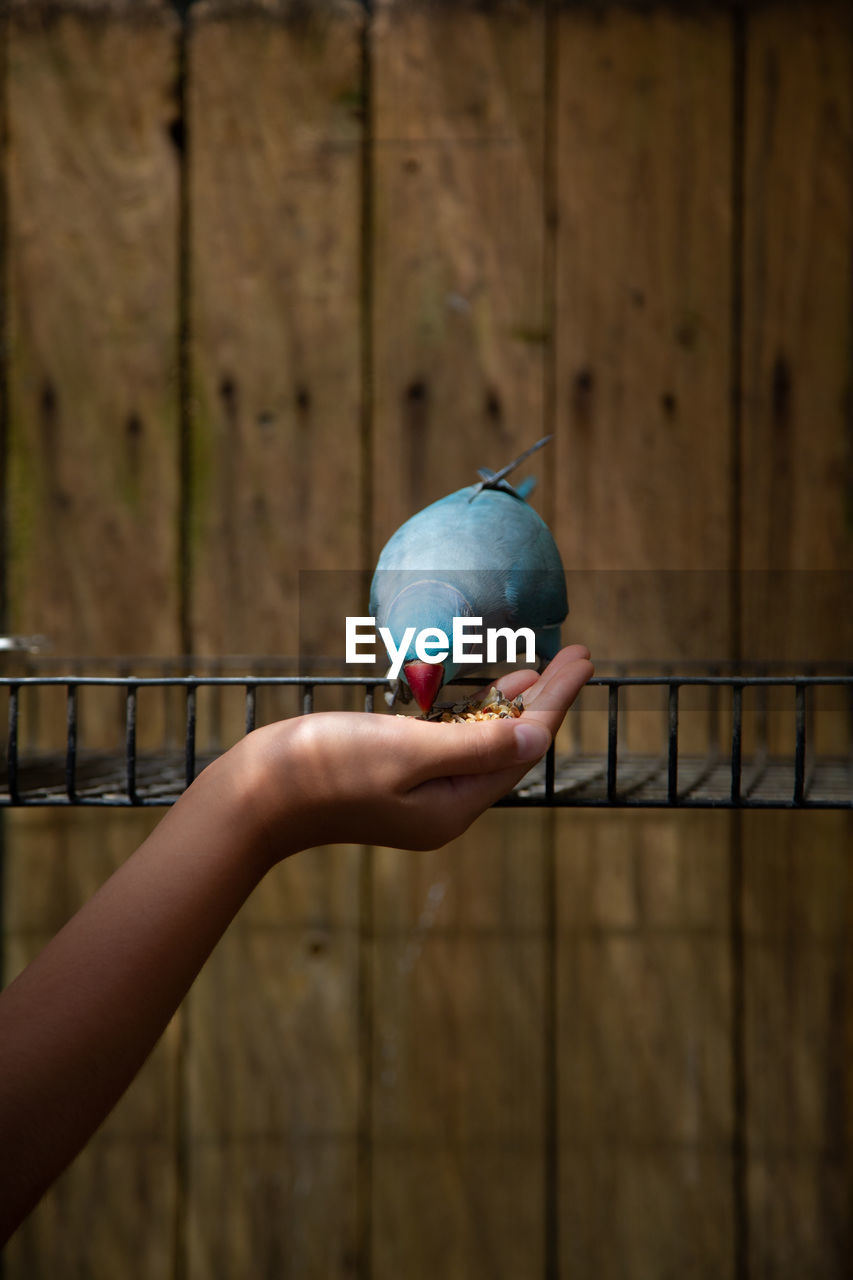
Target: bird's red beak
(424,681)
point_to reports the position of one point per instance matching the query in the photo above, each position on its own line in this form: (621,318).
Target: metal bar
(194,666)
(214,732)
(130,744)
(612,736)
(754,782)
(71,743)
(672,755)
(800,748)
(842,680)
(12,746)
(550,770)
(189,747)
(170,716)
(562,801)
(713,721)
(187,682)
(737,741)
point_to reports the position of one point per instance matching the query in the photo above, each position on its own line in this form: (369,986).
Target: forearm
(79,1022)
(76,1026)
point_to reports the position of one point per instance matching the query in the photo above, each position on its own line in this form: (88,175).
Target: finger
(435,750)
(516,682)
(556,692)
(475,792)
(466,793)
(565,658)
(565,661)
(511,684)
(464,797)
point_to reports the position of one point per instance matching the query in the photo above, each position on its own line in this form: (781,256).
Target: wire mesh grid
(630,741)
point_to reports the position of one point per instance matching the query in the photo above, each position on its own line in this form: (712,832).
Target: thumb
(532,740)
(483,747)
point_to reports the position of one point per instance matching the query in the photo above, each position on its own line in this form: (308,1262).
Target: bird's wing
(497,552)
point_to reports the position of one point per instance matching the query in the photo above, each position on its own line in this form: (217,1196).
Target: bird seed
(494,706)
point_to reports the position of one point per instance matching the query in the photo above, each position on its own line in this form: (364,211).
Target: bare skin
(78,1023)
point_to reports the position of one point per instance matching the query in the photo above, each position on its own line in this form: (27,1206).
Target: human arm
(78,1023)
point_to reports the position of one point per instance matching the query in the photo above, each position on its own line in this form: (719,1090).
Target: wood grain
(643,450)
(93,491)
(798,1013)
(797,555)
(644,520)
(272,1208)
(93,329)
(273,1094)
(644,1045)
(457,248)
(459,1045)
(275,171)
(797,516)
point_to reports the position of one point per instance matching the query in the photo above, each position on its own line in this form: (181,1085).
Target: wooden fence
(275,275)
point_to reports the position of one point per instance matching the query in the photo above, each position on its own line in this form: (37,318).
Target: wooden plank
(458,346)
(644,1048)
(295,1209)
(275,105)
(93,492)
(644,292)
(459,1044)
(644,519)
(798,1013)
(93,438)
(273,1089)
(275,102)
(797,260)
(458,248)
(643,341)
(796,893)
(796,513)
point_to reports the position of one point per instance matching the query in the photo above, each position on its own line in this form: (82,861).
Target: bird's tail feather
(497,479)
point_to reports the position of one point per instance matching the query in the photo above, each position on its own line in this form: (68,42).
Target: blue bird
(481,552)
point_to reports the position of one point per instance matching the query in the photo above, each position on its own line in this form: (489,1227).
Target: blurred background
(275,275)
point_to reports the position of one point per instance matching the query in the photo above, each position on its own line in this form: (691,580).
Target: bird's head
(423,605)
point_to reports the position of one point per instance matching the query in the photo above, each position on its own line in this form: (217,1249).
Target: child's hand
(398,781)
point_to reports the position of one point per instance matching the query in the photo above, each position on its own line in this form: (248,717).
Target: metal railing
(737,765)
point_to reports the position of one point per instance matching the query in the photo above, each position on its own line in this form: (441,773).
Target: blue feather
(479,552)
